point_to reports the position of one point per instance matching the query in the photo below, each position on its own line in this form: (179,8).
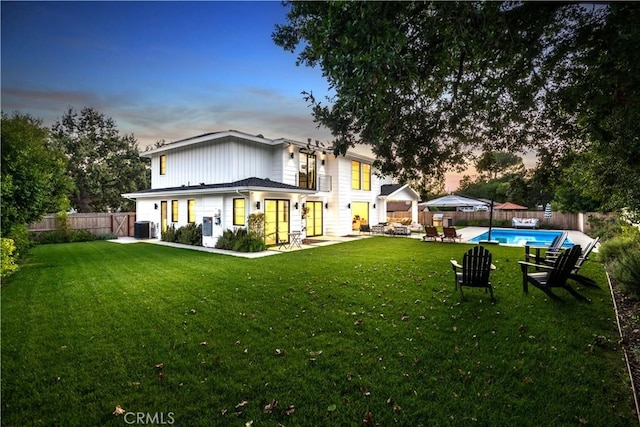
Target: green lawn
(330,334)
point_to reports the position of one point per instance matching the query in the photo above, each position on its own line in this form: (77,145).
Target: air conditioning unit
(142,229)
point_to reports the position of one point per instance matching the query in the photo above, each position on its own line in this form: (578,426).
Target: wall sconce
(326,205)
(257,205)
(374,206)
(304,205)
(322,162)
(291,154)
(295,205)
(155,206)
(349,205)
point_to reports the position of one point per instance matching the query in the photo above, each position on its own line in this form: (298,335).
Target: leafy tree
(498,163)
(427,83)
(34,180)
(103,163)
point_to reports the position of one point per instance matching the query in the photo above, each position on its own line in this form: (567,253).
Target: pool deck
(576,237)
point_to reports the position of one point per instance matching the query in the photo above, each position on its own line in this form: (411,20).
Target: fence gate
(120,224)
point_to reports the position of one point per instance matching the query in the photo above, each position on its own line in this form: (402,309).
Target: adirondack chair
(584,256)
(430,233)
(551,253)
(450,233)
(474,271)
(553,276)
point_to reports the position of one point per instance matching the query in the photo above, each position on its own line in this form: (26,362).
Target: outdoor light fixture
(349,205)
(291,154)
(295,205)
(322,162)
(326,205)
(374,206)
(155,206)
(257,205)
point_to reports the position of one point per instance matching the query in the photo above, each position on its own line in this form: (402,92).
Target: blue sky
(161,70)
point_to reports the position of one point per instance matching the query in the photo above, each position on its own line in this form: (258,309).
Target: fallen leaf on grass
(160,365)
(290,410)
(160,376)
(365,392)
(242,404)
(203,343)
(315,353)
(118,411)
(368,419)
(270,407)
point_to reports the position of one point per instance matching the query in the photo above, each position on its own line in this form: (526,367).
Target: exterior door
(276,221)
(314,219)
(360,212)
(163,216)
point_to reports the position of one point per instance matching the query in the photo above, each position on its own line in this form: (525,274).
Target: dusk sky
(161,70)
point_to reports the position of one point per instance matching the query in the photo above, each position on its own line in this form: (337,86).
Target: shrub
(169,235)
(626,269)
(240,240)
(106,236)
(81,236)
(64,236)
(190,234)
(7,257)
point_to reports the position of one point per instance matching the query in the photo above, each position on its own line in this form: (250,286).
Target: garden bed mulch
(628,310)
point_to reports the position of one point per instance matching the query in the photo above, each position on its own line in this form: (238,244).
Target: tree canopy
(429,84)
(103,163)
(34,180)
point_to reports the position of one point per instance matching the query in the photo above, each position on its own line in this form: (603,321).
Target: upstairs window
(360,176)
(307,171)
(163,164)
(355,175)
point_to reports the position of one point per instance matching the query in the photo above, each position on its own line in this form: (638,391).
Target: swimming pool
(513,236)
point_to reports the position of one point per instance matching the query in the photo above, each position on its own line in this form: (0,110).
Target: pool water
(512,236)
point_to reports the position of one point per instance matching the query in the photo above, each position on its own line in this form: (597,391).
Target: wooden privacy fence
(558,220)
(122,224)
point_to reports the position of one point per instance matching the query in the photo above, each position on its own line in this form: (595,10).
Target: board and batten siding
(226,160)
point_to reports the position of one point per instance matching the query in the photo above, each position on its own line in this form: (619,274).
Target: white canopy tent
(454,201)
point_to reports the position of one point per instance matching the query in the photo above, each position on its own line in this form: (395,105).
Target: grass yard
(367,330)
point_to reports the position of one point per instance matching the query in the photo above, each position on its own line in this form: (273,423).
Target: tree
(499,163)
(428,83)
(34,180)
(103,163)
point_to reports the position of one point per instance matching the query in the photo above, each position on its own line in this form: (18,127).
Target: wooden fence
(558,220)
(122,224)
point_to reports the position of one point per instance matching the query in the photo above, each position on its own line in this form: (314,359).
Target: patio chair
(551,253)
(450,233)
(474,271)
(554,276)
(431,233)
(584,256)
(364,228)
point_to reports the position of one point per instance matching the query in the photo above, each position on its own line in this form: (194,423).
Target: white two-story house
(219,179)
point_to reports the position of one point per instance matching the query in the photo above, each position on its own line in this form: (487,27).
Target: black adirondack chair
(553,276)
(475,270)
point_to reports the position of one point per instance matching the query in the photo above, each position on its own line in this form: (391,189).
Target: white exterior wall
(225,160)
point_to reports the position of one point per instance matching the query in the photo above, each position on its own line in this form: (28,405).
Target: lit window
(366,177)
(238,211)
(174,211)
(355,175)
(163,164)
(191,211)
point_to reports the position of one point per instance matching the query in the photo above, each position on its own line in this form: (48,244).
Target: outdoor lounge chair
(525,222)
(450,233)
(554,276)
(552,251)
(475,270)
(431,233)
(584,256)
